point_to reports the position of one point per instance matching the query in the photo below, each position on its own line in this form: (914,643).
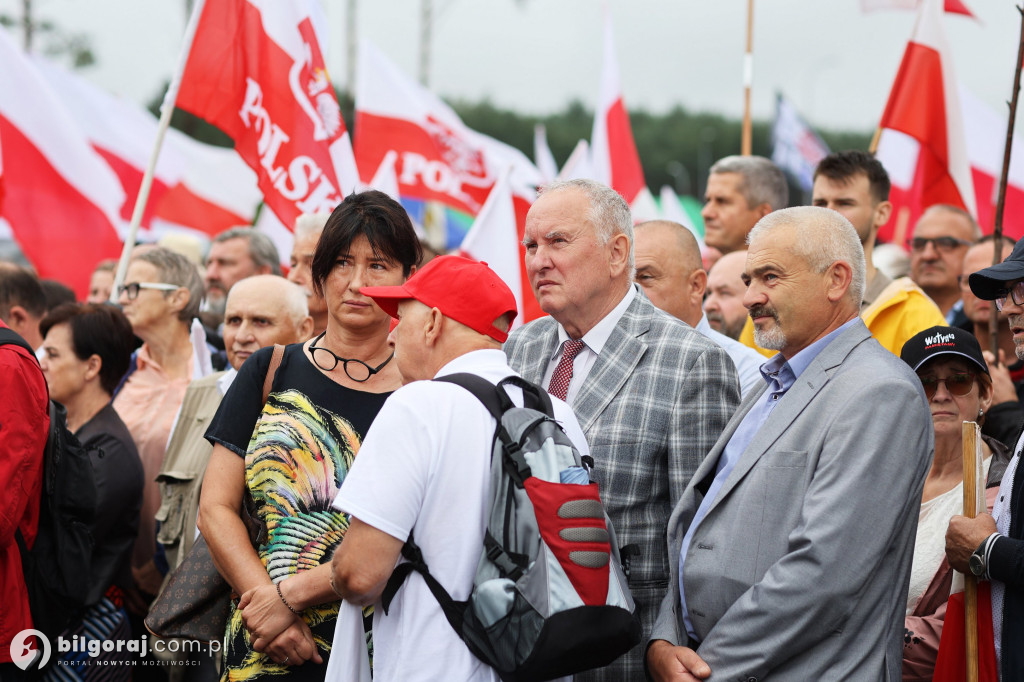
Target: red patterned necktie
(562,375)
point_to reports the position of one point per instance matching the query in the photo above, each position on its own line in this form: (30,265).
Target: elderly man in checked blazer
(651,393)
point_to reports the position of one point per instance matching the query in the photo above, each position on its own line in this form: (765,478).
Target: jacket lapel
(615,364)
(792,405)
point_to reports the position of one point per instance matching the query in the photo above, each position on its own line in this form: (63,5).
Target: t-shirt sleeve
(387,483)
(240,409)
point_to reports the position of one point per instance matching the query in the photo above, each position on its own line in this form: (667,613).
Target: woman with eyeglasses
(958,388)
(290,455)
(160,297)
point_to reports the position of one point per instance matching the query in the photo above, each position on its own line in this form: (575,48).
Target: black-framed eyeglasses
(132,289)
(357,370)
(1015,293)
(957,384)
(941,244)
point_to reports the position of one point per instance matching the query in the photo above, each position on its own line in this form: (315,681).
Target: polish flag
(439,158)
(612,149)
(986,141)
(496,239)
(256,71)
(922,143)
(61,200)
(951,6)
(196,187)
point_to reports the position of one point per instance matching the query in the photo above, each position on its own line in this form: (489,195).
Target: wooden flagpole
(997,229)
(166,109)
(748,79)
(970,452)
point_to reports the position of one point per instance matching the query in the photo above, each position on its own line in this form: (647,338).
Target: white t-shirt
(425,467)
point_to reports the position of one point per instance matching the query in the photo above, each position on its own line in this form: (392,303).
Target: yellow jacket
(899,312)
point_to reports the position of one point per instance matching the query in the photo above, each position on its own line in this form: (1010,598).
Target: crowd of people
(774,419)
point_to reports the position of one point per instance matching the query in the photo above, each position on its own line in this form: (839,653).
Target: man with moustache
(937,247)
(261,311)
(724,302)
(308,228)
(991,546)
(1003,419)
(791,547)
(651,393)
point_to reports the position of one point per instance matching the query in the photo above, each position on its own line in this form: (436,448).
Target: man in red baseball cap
(424,467)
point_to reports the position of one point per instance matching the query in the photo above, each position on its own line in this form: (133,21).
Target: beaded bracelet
(285,601)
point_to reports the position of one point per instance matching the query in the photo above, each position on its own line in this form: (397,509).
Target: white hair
(823,238)
(310,223)
(609,212)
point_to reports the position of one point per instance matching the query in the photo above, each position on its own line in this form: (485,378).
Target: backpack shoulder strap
(496,401)
(534,396)
(275,362)
(453,610)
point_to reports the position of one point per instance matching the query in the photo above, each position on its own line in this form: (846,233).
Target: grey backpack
(549,597)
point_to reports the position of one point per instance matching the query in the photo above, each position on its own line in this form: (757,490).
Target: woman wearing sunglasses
(958,388)
(287,458)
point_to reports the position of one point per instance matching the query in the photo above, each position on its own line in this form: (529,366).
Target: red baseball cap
(463,289)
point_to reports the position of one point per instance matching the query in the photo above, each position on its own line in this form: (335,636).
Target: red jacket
(24,425)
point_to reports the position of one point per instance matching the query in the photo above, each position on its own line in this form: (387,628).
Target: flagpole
(748,78)
(970,452)
(997,229)
(166,109)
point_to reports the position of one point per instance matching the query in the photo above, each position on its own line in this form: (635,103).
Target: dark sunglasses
(942,244)
(957,384)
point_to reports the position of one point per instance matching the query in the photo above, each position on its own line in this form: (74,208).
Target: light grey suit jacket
(653,404)
(799,570)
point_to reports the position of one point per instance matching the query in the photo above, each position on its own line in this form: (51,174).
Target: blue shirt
(780,375)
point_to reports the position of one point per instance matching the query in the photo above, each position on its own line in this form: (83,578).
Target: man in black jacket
(992,546)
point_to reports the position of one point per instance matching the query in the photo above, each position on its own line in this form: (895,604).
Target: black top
(119,482)
(236,418)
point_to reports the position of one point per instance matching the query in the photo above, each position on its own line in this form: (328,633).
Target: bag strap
(453,610)
(275,362)
(497,403)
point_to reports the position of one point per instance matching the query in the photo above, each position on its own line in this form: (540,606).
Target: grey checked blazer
(799,570)
(652,406)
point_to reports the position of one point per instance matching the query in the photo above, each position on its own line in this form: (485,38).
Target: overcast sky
(836,63)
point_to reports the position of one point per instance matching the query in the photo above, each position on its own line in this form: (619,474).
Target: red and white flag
(986,140)
(922,145)
(196,186)
(951,6)
(439,158)
(613,153)
(256,71)
(61,200)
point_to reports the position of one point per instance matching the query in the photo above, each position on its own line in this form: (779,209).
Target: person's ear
(93,366)
(433,326)
(839,277)
(305,330)
(882,213)
(619,247)
(179,298)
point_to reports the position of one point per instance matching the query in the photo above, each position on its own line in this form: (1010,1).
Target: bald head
(724,303)
(261,311)
(668,267)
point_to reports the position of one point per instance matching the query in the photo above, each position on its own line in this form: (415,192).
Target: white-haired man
(651,393)
(308,228)
(791,547)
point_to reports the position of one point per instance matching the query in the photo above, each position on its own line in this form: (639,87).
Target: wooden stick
(746,144)
(970,452)
(997,229)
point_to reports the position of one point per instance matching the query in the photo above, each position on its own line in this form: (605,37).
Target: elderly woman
(86,350)
(160,297)
(958,388)
(289,456)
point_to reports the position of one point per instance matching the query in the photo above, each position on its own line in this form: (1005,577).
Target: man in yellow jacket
(854,184)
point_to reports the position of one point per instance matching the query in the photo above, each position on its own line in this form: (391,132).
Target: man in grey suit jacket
(794,539)
(651,394)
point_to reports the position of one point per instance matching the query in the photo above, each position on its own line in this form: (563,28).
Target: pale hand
(670,663)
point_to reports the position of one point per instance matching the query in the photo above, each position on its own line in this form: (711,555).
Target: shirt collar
(224,381)
(474,361)
(785,374)
(597,337)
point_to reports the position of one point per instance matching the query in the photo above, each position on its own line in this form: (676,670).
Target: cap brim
(965,356)
(987,284)
(387,298)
